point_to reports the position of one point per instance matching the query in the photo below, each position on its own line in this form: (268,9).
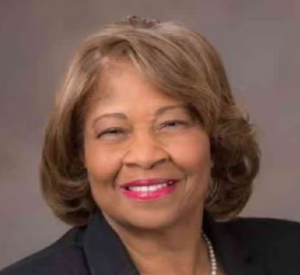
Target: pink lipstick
(149,189)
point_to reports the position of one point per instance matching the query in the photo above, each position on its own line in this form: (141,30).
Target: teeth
(145,189)
(152,188)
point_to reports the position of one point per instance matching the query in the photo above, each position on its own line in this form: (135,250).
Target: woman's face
(148,160)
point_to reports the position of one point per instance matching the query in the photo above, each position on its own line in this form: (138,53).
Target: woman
(145,151)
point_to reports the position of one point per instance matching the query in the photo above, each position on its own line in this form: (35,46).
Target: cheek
(101,166)
(193,154)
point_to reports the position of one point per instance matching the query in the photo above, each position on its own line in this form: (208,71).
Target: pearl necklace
(212,257)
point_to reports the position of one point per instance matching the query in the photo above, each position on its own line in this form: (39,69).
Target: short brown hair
(182,64)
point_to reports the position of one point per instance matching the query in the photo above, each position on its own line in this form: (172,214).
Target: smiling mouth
(149,189)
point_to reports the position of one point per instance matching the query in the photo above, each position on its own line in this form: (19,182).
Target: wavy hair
(182,64)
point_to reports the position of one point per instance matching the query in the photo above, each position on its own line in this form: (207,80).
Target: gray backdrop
(259,43)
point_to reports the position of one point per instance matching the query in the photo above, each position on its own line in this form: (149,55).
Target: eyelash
(111,131)
(178,122)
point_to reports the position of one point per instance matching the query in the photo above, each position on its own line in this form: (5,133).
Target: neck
(179,249)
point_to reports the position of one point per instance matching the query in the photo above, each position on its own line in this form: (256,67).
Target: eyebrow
(158,112)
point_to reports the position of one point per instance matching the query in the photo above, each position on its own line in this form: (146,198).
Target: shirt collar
(106,254)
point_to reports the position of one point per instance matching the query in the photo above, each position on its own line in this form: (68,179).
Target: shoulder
(273,238)
(65,256)
(264,230)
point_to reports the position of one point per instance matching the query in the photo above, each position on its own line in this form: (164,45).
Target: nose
(145,152)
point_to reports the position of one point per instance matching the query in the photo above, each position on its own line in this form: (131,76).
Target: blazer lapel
(104,251)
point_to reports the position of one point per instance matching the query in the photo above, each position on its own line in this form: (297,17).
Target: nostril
(145,157)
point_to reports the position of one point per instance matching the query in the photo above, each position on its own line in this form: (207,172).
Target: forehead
(124,89)
(121,82)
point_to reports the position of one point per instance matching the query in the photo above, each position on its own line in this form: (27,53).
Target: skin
(137,132)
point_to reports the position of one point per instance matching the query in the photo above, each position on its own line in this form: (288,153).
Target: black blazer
(244,246)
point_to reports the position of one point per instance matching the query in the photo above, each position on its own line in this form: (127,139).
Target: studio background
(259,42)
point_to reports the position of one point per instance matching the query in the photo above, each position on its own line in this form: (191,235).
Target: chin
(153,223)
(144,221)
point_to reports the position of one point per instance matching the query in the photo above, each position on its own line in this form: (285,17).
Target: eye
(174,124)
(111,132)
